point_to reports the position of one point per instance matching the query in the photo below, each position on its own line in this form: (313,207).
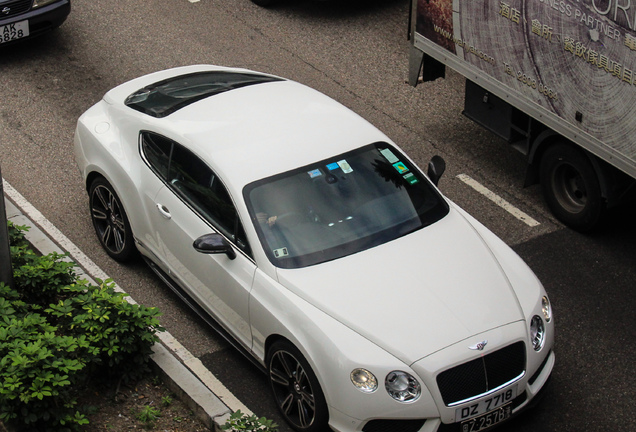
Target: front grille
(393,426)
(11,8)
(481,375)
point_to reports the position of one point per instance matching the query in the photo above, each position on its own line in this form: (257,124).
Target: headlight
(402,386)
(546,308)
(40,3)
(537,332)
(364,380)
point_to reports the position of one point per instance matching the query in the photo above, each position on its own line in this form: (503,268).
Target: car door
(193,202)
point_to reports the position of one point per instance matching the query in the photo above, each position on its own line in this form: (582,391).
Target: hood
(417,294)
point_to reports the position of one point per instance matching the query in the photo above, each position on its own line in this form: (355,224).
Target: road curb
(207,406)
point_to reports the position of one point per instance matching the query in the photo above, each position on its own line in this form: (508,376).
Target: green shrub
(123,333)
(57,334)
(37,368)
(40,278)
(239,422)
(17,236)
(148,414)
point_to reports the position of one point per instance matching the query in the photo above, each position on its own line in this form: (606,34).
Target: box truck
(556,79)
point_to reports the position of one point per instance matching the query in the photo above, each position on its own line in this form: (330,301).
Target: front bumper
(41,20)
(432,414)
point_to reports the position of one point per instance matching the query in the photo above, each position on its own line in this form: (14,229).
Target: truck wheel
(263,2)
(571,187)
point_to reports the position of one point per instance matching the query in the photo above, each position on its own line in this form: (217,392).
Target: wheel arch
(95,174)
(91,177)
(271,340)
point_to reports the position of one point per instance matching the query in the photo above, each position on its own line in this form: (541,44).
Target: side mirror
(436,168)
(214,244)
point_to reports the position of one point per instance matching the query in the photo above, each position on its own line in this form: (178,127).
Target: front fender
(332,350)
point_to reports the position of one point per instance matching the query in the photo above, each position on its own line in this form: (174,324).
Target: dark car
(21,19)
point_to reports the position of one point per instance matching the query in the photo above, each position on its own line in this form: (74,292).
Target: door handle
(164,211)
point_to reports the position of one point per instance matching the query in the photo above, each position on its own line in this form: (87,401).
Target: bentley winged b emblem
(479,346)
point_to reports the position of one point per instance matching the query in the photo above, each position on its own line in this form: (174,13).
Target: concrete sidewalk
(183,373)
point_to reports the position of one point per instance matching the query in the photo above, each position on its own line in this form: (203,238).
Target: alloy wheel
(108,219)
(292,389)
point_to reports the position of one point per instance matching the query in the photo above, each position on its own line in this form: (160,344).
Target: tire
(110,221)
(296,389)
(571,187)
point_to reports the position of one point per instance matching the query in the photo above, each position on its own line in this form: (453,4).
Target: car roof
(253,132)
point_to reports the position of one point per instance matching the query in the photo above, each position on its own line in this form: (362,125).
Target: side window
(157,151)
(195,183)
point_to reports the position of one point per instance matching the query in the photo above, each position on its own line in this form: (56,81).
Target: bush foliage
(239,422)
(58,333)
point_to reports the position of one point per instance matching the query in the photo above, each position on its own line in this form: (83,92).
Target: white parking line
(190,361)
(498,200)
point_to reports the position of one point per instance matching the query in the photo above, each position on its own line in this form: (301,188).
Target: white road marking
(498,200)
(190,361)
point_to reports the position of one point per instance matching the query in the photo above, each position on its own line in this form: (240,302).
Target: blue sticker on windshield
(400,167)
(333,166)
(314,173)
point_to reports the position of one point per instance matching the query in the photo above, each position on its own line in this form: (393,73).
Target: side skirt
(203,314)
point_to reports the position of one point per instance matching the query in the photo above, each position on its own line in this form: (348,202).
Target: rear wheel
(571,187)
(110,221)
(296,389)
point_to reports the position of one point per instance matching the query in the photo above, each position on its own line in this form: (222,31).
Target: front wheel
(296,389)
(571,187)
(110,221)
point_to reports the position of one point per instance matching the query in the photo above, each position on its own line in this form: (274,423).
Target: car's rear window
(165,97)
(342,205)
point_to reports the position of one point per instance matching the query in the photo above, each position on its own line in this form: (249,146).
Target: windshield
(341,206)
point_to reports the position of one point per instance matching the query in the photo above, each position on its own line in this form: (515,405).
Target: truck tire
(571,187)
(263,2)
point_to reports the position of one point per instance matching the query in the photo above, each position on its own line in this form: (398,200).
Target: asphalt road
(356,52)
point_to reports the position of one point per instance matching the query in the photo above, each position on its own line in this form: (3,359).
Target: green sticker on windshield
(410,178)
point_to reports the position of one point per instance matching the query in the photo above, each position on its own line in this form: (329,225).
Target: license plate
(14,31)
(487,420)
(486,405)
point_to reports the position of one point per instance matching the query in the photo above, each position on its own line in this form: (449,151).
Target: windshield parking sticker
(344,165)
(410,178)
(388,154)
(333,166)
(314,173)
(280,253)
(400,167)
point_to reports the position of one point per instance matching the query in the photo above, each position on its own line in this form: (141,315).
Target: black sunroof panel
(165,97)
